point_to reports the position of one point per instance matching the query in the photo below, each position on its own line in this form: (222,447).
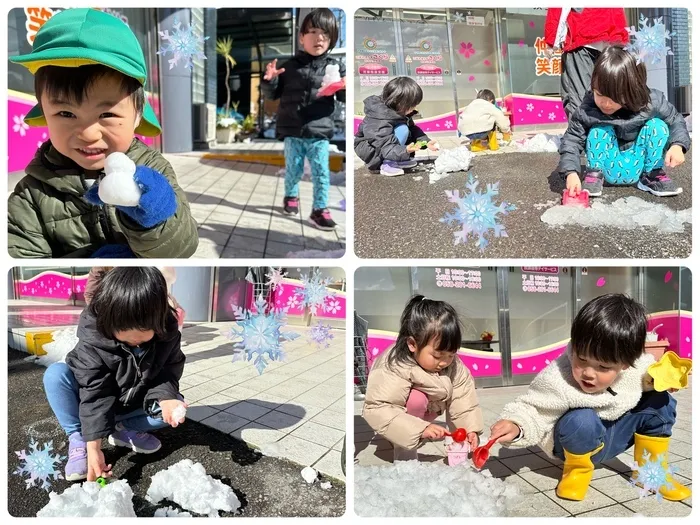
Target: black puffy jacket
(301,113)
(114,381)
(626,124)
(375,141)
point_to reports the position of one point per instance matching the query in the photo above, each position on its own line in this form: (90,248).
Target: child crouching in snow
(480,119)
(596,400)
(627,130)
(122,378)
(387,137)
(419,379)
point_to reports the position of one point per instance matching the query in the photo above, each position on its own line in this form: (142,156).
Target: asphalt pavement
(398,217)
(266,487)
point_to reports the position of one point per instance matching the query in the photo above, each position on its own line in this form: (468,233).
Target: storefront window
(475,53)
(528,70)
(381,295)
(599,281)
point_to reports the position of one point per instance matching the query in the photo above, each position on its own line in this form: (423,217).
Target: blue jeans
(317,151)
(626,167)
(402,133)
(580,430)
(62,392)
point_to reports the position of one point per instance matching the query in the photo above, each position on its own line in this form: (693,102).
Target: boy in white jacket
(596,400)
(480,119)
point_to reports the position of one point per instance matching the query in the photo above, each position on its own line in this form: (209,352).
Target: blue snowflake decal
(477,213)
(315,293)
(259,335)
(184,44)
(652,476)
(648,44)
(39,464)
(321,335)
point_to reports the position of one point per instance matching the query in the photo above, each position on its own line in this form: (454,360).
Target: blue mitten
(157,203)
(114,251)
(92,196)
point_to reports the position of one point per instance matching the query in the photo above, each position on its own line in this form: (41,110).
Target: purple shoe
(136,441)
(77,466)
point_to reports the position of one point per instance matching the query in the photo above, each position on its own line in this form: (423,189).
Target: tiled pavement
(299,404)
(610,494)
(237,206)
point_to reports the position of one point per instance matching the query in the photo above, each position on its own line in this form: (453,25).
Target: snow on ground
(89,499)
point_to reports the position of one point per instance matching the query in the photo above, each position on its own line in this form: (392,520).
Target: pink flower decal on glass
(487,63)
(531,24)
(668,276)
(600,282)
(521,43)
(472,78)
(466,49)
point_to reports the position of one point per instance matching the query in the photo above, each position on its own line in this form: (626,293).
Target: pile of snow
(449,161)
(540,143)
(272,450)
(411,488)
(309,474)
(169,512)
(91,500)
(627,213)
(63,342)
(179,413)
(332,75)
(187,484)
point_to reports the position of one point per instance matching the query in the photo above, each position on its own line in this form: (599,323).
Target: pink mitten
(457,453)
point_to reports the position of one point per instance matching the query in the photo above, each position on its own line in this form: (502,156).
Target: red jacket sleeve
(551,23)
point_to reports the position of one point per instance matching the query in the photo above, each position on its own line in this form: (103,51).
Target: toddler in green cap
(90,74)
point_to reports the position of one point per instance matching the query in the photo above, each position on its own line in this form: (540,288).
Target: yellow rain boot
(657,446)
(478,145)
(578,471)
(493,141)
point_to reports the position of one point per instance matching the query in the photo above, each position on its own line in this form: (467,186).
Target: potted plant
(248,128)
(226,129)
(223,48)
(487,337)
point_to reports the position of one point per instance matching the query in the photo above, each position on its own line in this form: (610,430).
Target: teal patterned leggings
(625,167)
(316,150)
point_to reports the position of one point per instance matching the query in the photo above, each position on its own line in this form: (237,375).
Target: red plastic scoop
(582,199)
(331,89)
(458,435)
(481,454)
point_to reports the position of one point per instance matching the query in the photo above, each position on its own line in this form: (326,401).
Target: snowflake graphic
(259,334)
(530,107)
(551,116)
(238,311)
(321,335)
(39,464)
(652,476)
(448,124)
(648,44)
(314,294)
(20,126)
(477,213)
(334,306)
(275,278)
(458,17)
(184,44)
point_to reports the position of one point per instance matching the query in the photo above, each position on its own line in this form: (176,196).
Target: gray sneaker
(390,169)
(406,164)
(658,183)
(593,183)
(136,441)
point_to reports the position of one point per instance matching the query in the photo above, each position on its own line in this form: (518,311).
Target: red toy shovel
(581,200)
(481,454)
(458,435)
(331,89)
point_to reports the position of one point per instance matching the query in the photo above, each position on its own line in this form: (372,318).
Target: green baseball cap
(82,36)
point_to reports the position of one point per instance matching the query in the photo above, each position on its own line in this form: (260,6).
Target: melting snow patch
(187,484)
(451,160)
(309,475)
(272,450)
(540,143)
(169,512)
(445,491)
(548,204)
(63,342)
(627,214)
(326,485)
(91,500)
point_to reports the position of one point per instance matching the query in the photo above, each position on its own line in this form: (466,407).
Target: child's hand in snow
(573,184)
(674,156)
(433,146)
(168,406)
(411,148)
(504,430)
(434,432)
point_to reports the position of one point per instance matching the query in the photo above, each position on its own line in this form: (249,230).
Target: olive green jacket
(48,216)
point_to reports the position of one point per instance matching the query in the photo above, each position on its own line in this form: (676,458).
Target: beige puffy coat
(387,394)
(480,116)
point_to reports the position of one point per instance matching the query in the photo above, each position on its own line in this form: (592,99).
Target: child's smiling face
(88,132)
(316,42)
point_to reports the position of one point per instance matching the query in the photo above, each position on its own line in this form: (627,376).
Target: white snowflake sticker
(39,464)
(183,44)
(315,294)
(648,44)
(652,475)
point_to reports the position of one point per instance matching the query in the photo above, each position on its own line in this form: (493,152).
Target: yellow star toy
(670,372)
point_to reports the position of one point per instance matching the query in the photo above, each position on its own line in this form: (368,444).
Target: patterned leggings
(625,167)
(316,150)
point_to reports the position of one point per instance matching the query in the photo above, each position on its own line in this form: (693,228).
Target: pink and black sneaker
(291,205)
(593,183)
(321,219)
(658,183)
